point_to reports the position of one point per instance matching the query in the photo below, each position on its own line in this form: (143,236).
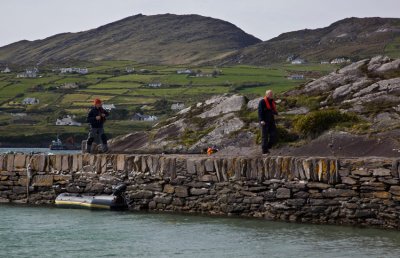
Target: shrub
(317,122)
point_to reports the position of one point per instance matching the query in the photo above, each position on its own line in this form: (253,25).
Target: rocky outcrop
(368,87)
(302,189)
(212,122)
(223,105)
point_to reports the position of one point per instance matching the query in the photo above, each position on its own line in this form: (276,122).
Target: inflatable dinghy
(116,201)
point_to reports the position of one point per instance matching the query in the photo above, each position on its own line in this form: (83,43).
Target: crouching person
(96,118)
(266,113)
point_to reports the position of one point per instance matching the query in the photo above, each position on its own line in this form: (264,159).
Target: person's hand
(98,117)
(262,123)
(103,115)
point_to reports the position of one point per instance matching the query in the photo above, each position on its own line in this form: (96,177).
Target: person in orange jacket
(266,117)
(96,118)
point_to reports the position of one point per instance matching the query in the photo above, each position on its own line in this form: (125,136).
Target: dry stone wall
(315,190)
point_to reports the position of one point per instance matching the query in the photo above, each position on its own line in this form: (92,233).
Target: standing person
(266,113)
(96,118)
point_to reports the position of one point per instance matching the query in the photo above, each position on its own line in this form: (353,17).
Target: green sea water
(53,232)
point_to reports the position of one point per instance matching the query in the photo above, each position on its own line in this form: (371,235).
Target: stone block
(198,191)
(208,178)
(348,181)
(209,165)
(2,162)
(142,195)
(19,189)
(382,195)
(361,172)
(10,162)
(395,190)
(77,162)
(283,193)
(65,163)
(169,189)
(332,193)
(163,199)
(316,185)
(381,172)
(181,191)
(191,167)
(58,162)
(121,162)
(42,180)
(20,161)
(157,187)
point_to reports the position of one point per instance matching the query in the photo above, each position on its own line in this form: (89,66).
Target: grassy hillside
(354,38)
(161,39)
(130,93)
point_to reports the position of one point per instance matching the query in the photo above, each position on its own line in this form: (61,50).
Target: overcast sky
(265,19)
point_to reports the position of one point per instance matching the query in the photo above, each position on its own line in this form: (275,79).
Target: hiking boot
(88,149)
(104,148)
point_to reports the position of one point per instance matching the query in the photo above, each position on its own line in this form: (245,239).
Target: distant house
(340,60)
(184,71)
(68,86)
(29,73)
(68,120)
(109,106)
(140,117)
(296,77)
(204,75)
(74,70)
(129,70)
(290,58)
(298,61)
(155,84)
(30,101)
(145,71)
(6,70)
(177,106)
(325,62)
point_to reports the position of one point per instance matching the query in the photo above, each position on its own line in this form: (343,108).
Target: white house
(325,62)
(177,106)
(30,101)
(109,106)
(69,85)
(129,70)
(299,61)
(296,77)
(340,60)
(74,70)
(155,84)
(184,71)
(140,117)
(29,73)
(6,70)
(68,120)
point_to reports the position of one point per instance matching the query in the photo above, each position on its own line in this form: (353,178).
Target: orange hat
(97,101)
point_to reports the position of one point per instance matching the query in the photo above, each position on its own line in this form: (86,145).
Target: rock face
(312,190)
(225,105)
(370,87)
(213,122)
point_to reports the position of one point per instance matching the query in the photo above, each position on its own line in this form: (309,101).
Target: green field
(109,81)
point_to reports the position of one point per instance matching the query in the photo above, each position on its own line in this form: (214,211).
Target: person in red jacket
(266,117)
(96,118)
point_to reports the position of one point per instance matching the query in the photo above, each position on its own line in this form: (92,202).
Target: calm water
(38,150)
(51,232)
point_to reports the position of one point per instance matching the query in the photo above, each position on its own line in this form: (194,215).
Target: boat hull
(105,202)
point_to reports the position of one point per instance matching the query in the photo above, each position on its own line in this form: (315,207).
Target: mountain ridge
(165,39)
(353,37)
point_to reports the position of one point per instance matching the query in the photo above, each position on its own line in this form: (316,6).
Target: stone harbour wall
(314,190)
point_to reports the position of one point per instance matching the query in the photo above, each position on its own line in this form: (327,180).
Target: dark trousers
(269,136)
(97,133)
